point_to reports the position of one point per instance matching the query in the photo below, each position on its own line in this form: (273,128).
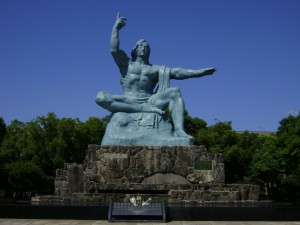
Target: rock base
(174,174)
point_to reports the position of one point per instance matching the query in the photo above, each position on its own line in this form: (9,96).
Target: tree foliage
(26,177)
(272,161)
(2,130)
(289,148)
(47,142)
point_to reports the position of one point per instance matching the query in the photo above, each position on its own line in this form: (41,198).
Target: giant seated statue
(138,117)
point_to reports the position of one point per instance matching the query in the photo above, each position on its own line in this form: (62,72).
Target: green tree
(192,126)
(266,166)
(289,146)
(92,131)
(48,142)
(247,143)
(238,153)
(2,130)
(13,143)
(3,178)
(217,137)
(289,142)
(276,161)
(65,140)
(237,148)
(43,142)
(25,177)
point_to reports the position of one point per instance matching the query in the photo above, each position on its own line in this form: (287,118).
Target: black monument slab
(119,211)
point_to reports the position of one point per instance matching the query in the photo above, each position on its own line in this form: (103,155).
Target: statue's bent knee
(102,98)
(174,92)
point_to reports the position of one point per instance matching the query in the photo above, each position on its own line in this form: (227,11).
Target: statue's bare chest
(141,73)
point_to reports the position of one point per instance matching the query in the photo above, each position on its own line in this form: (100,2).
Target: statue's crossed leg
(157,103)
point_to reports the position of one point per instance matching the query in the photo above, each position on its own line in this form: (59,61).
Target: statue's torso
(140,80)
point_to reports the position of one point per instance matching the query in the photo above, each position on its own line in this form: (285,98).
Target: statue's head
(141,47)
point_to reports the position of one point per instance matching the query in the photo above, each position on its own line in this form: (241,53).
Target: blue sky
(54,56)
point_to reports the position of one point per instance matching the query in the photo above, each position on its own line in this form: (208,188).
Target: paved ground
(104,222)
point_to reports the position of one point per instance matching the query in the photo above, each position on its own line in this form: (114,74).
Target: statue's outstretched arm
(180,73)
(119,55)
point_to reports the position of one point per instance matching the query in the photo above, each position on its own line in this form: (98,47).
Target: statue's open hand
(120,22)
(210,71)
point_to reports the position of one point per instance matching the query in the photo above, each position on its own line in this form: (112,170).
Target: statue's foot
(181,133)
(148,108)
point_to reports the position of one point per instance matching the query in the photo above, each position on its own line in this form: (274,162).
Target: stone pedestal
(152,165)
(174,174)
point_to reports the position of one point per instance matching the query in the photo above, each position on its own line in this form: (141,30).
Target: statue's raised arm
(120,56)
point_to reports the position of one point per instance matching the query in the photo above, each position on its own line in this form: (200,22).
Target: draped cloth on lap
(151,120)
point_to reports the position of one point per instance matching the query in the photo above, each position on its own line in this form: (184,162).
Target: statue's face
(143,49)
